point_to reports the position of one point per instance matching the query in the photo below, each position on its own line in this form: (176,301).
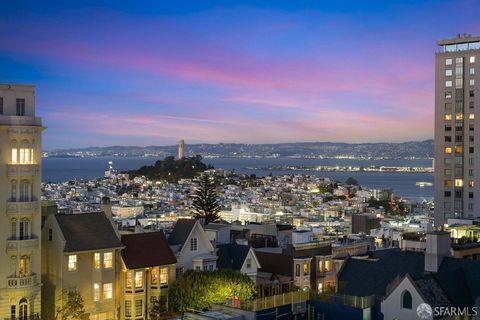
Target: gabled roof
(87,231)
(457,280)
(181,231)
(147,249)
(232,256)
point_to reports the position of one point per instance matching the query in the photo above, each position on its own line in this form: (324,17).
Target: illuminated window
(128,280)
(72,262)
(448,150)
(448,183)
(23,266)
(96,260)
(471,183)
(448,72)
(305,268)
(163,276)
(472,59)
(458,149)
(471,116)
(472,71)
(459,60)
(448,116)
(107,260)
(458,83)
(448,95)
(128,308)
(458,182)
(107,291)
(448,62)
(472,82)
(448,83)
(139,279)
(154,276)
(14,155)
(459,116)
(96,292)
(22,156)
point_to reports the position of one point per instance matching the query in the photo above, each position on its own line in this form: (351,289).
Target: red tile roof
(147,249)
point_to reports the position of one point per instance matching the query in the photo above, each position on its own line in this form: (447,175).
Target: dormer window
(193,244)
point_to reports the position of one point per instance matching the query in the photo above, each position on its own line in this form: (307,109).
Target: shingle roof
(87,231)
(232,256)
(457,280)
(147,249)
(180,231)
(276,263)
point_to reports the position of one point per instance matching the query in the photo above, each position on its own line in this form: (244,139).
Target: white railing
(22,170)
(30,207)
(22,282)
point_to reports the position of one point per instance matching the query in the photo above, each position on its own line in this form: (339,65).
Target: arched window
(406,300)
(23,310)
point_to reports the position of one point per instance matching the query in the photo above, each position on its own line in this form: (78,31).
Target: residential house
(147,271)
(238,257)
(191,246)
(80,253)
(400,281)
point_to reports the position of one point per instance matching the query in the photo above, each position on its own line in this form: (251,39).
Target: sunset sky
(150,72)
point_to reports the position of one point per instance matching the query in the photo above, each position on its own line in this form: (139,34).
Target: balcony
(22,282)
(22,170)
(22,208)
(25,245)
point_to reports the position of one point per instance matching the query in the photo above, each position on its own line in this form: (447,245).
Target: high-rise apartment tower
(457,125)
(20,218)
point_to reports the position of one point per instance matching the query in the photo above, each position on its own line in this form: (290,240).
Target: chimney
(438,247)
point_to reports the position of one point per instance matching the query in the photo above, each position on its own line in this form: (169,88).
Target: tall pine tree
(205,200)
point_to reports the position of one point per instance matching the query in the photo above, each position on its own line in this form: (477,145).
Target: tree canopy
(205,200)
(198,290)
(71,307)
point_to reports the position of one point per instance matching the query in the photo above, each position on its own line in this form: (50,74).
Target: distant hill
(171,169)
(386,150)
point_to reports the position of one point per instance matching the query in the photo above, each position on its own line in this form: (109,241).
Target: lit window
(458,182)
(107,291)
(471,183)
(448,116)
(448,72)
(163,276)
(128,308)
(472,59)
(448,150)
(154,276)
(96,292)
(472,71)
(14,155)
(448,83)
(139,279)
(96,260)
(138,308)
(128,280)
(305,268)
(448,95)
(72,262)
(107,260)
(471,116)
(459,116)
(472,82)
(193,244)
(459,60)
(448,183)
(458,83)
(458,149)
(448,62)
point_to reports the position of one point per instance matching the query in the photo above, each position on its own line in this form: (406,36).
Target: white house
(191,247)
